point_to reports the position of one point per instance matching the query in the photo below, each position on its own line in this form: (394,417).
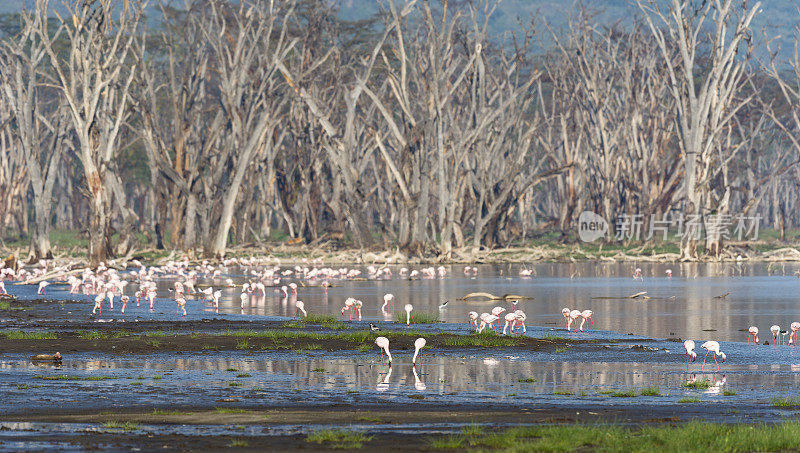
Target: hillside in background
(779,17)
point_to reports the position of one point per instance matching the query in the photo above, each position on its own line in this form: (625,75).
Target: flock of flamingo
(106,284)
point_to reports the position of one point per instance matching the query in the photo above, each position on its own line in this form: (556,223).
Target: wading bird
(418,344)
(408,309)
(775,331)
(300,308)
(752,332)
(712,346)
(565,313)
(795,327)
(43,287)
(689,345)
(383,344)
(587,314)
(573,316)
(386,299)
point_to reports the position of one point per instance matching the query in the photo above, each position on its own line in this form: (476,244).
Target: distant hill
(779,17)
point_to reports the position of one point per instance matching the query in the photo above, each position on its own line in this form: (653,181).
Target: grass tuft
(21,335)
(339,438)
(651,391)
(689,400)
(125,426)
(630,393)
(231,410)
(416,317)
(786,401)
(701,384)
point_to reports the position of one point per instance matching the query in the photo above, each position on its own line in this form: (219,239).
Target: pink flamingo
(587,314)
(565,313)
(383,344)
(408,308)
(348,305)
(712,346)
(521,317)
(124,300)
(418,344)
(573,316)
(386,299)
(775,331)
(98,304)
(300,309)
(669,273)
(510,319)
(795,327)
(473,318)
(43,287)
(689,345)
(181,305)
(752,333)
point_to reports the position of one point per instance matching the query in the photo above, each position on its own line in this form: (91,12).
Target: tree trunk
(40,242)
(99,219)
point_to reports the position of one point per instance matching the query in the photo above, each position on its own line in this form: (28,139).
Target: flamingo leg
(704,361)
(687,362)
(715,361)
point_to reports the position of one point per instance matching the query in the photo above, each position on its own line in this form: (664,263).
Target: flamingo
(181,305)
(348,305)
(510,318)
(383,344)
(300,308)
(473,318)
(689,345)
(124,300)
(487,319)
(43,287)
(775,331)
(418,344)
(637,274)
(669,273)
(795,327)
(408,309)
(98,304)
(386,299)
(586,314)
(565,313)
(752,332)
(2,288)
(573,316)
(497,312)
(712,346)
(521,317)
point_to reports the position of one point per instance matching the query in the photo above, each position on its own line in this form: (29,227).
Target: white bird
(386,299)
(383,343)
(795,327)
(689,345)
(444,305)
(752,332)
(573,316)
(473,317)
(775,331)
(586,314)
(373,327)
(521,317)
(418,344)
(565,313)
(43,287)
(712,346)
(408,309)
(510,319)
(300,308)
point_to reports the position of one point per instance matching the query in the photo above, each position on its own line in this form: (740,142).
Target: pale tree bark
(94,76)
(37,122)
(705,93)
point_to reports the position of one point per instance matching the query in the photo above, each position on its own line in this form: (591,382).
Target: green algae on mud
(690,437)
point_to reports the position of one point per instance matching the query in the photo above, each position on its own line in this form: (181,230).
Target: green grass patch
(234,384)
(124,426)
(239,443)
(563,392)
(651,391)
(231,410)
(728,392)
(6,305)
(786,401)
(689,400)
(416,317)
(339,438)
(242,344)
(318,370)
(21,335)
(699,385)
(630,393)
(527,380)
(66,377)
(690,437)
(156,377)
(243,375)
(98,335)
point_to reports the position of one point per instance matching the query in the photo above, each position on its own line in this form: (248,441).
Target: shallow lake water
(682,306)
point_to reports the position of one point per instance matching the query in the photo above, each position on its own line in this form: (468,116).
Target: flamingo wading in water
(383,344)
(712,346)
(689,345)
(418,344)
(752,332)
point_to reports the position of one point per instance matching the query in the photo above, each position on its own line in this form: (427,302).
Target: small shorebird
(373,327)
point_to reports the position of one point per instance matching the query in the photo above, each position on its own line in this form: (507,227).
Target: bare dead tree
(705,92)
(94,77)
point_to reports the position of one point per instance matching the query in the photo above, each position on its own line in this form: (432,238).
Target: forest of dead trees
(222,123)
